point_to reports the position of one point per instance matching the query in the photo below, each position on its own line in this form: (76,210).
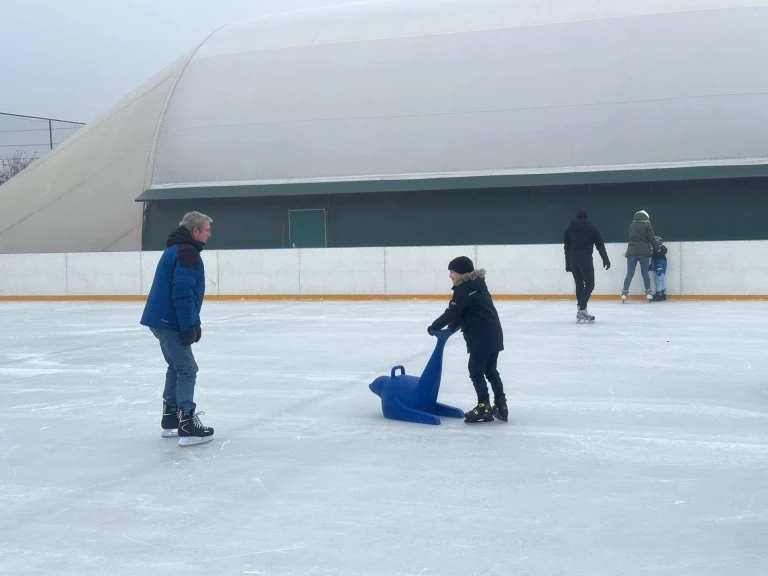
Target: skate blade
(194,440)
(168,433)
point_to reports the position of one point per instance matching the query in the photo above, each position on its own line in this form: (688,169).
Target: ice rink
(636,446)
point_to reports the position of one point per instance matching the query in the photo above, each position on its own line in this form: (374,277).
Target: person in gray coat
(642,243)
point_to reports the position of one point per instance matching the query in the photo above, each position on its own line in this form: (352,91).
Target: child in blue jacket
(659,267)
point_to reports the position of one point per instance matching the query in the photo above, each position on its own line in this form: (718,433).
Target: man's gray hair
(194,220)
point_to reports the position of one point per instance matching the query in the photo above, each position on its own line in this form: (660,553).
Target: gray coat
(642,240)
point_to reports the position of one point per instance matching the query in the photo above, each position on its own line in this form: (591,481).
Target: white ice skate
(582,316)
(624,295)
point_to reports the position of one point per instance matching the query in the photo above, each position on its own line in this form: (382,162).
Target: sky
(71,59)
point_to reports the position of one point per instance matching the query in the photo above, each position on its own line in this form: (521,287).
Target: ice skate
(170,421)
(624,295)
(480,413)
(583,316)
(500,409)
(648,295)
(191,430)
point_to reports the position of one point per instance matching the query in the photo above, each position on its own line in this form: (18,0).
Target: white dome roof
(404,89)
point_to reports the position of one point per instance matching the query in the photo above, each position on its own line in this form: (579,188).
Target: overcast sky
(71,59)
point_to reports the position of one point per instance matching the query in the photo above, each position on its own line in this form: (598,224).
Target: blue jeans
(182,369)
(632,262)
(660,281)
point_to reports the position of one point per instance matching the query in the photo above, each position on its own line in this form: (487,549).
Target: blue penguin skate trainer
(414,399)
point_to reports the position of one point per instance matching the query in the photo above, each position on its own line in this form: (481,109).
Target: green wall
(683,210)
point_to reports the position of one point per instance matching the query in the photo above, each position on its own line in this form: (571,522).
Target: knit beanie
(461,265)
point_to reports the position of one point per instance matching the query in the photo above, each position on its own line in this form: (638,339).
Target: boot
(170,421)
(480,413)
(584,316)
(191,430)
(663,295)
(500,409)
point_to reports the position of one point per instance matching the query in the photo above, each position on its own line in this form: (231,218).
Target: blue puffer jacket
(659,259)
(178,289)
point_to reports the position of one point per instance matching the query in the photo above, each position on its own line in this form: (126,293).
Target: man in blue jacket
(172,313)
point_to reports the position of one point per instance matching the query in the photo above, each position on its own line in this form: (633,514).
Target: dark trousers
(584,278)
(482,365)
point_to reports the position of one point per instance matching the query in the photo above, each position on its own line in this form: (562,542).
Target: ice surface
(636,445)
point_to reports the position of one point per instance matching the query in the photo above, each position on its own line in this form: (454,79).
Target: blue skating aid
(414,399)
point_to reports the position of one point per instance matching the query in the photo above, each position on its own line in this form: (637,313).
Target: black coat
(472,308)
(578,240)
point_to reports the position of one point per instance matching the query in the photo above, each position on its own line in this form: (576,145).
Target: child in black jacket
(472,309)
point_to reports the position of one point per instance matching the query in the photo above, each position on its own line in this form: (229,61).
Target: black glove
(567,268)
(188,337)
(607,264)
(198,333)
(431,329)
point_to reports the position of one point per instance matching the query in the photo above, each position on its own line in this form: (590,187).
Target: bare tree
(14,163)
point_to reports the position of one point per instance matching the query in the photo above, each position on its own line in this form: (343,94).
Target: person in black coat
(579,239)
(472,309)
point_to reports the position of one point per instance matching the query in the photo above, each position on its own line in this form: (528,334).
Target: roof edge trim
(454,182)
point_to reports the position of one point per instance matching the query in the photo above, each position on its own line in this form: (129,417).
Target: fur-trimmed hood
(641,216)
(477,273)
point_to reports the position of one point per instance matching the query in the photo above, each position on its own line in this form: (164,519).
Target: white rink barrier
(696,270)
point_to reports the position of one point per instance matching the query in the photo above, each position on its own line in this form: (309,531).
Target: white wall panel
(33,274)
(211,262)
(342,270)
(148,265)
(725,268)
(694,269)
(103,273)
(259,272)
(536,269)
(422,270)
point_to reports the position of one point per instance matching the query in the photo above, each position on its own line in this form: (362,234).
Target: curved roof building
(411,93)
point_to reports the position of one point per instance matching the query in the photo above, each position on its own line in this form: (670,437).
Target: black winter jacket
(578,240)
(472,308)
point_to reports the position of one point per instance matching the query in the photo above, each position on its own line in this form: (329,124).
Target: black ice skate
(500,410)
(660,296)
(480,413)
(192,431)
(583,316)
(170,421)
